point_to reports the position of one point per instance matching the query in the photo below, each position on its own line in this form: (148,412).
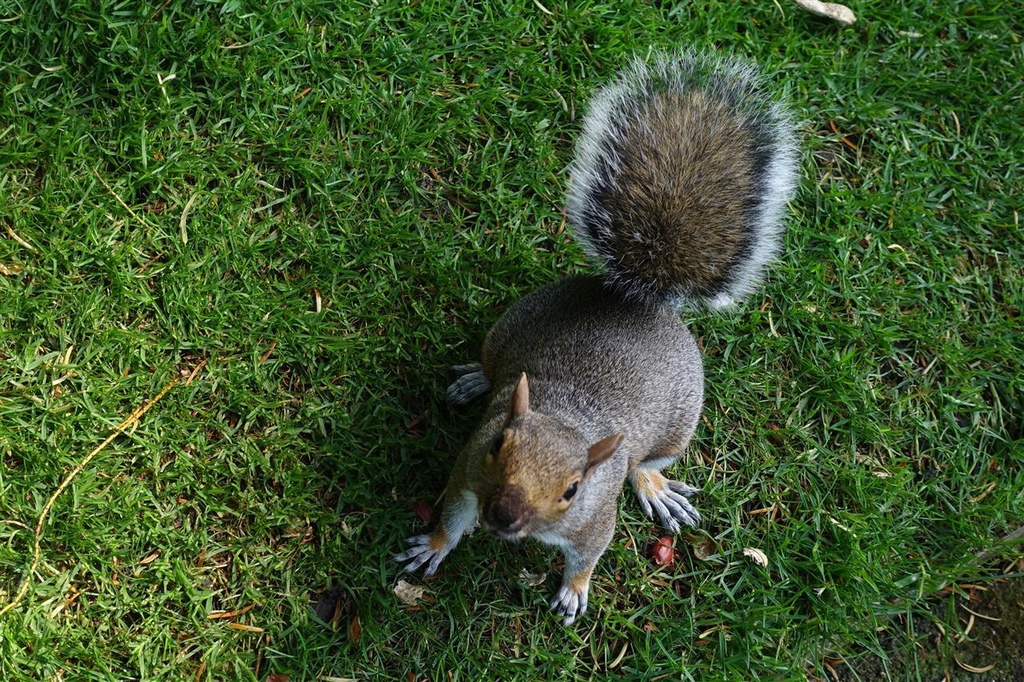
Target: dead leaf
(532,579)
(355,630)
(408,593)
(705,549)
(267,352)
(830,10)
(759,557)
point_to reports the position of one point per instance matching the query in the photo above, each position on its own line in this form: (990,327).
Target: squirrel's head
(535,469)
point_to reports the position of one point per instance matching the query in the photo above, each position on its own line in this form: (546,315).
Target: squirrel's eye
(570,492)
(498,442)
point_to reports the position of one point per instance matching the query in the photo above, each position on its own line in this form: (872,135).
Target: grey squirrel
(678,186)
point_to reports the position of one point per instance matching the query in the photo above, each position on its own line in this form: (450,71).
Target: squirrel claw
(570,604)
(673,508)
(419,554)
(666,500)
(470,384)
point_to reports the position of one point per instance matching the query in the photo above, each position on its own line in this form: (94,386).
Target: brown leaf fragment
(220,615)
(355,630)
(267,353)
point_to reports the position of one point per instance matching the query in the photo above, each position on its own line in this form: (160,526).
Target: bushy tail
(680,179)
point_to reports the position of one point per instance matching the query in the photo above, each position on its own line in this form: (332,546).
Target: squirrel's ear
(602,450)
(520,404)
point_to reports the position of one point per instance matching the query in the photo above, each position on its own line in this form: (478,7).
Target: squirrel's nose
(508,511)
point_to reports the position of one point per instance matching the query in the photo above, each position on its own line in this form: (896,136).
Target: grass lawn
(304,212)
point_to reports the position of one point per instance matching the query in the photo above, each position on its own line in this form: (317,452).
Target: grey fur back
(601,364)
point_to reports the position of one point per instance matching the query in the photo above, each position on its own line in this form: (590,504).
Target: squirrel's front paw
(570,603)
(665,499)
(471,383)
(424,550)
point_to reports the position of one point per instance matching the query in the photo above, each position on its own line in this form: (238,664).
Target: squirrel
(677,187)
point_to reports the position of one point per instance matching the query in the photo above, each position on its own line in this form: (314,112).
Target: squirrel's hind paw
(569,603)
(665,500)
(419,554)
(470,384)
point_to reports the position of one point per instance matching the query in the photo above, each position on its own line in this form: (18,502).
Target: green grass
(368,186)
